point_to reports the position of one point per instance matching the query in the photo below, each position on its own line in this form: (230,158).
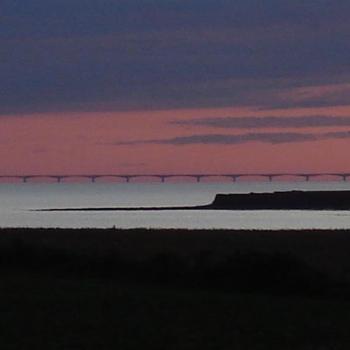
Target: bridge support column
(127,178)
(93,179)
(307,177)
(162,178)
(344,177)
(59,179)
(270,178)
(198,178)
(24,179)
(234,178)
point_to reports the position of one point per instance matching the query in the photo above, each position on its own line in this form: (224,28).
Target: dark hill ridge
(303,200)
(317,200)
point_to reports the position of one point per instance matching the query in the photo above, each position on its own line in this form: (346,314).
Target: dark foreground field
(137,289)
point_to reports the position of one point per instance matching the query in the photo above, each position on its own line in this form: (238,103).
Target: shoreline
(199,207)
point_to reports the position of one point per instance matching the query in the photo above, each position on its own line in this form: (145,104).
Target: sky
(174,86)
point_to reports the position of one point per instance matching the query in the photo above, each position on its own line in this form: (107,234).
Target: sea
(18,203)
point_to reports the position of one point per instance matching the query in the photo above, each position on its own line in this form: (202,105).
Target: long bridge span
(163,177)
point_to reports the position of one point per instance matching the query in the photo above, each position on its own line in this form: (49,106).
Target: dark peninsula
(287,200)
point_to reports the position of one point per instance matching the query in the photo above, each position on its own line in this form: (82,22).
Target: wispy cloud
(223,139)
(252,122)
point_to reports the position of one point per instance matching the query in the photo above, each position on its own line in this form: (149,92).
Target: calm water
(18,199)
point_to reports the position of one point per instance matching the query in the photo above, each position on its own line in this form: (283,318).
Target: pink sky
(67,143)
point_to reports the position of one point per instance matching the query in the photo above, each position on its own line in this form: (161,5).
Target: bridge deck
(164,177)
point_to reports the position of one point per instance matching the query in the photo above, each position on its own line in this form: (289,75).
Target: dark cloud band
(223,139)
(251,122)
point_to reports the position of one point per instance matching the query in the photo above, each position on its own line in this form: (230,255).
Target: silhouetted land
(303,200)
(174,289)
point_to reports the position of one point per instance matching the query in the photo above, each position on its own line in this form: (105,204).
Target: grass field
(55,294)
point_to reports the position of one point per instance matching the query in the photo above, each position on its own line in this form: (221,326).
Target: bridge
(164,177)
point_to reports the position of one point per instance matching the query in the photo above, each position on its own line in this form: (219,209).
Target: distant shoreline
(199,207)
(286,200)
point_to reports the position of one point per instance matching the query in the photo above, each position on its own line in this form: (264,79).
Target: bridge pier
(270,177)
(198,177)
(234,178)
(344,177)
(307,177)
(162,178)
(59,179)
